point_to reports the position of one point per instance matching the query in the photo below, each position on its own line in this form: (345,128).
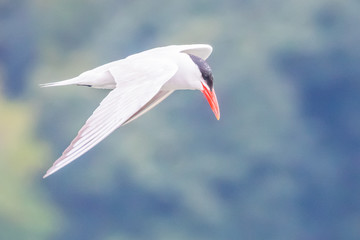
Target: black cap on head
(204,69)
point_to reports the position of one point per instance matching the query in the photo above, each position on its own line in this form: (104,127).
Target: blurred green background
(282,163)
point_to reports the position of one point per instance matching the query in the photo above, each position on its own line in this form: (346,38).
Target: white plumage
(139,82)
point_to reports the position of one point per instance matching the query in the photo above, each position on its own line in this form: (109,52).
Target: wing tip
(201,50)
(55,167)
(50,171)
(46,175)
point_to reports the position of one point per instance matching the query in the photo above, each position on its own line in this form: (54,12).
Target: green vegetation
(282,163)
(25,209)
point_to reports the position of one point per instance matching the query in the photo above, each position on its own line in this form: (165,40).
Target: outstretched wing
(138,82)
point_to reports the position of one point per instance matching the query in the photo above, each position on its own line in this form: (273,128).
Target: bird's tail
(61,83)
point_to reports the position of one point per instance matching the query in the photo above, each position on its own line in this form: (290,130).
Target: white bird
(139,83)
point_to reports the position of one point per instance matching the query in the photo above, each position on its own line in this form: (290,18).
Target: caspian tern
(139,83)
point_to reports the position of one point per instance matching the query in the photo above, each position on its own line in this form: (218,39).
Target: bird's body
(138,82)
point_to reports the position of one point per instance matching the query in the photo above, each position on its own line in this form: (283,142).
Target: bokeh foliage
(282,163)
(26,211)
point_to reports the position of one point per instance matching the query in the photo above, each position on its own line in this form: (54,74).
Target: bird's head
(207,84)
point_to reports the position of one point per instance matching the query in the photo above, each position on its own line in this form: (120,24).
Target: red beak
(211,97)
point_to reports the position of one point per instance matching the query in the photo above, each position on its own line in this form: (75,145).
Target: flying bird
(138,82)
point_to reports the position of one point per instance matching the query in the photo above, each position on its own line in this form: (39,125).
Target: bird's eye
(209,80)
(204,69)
